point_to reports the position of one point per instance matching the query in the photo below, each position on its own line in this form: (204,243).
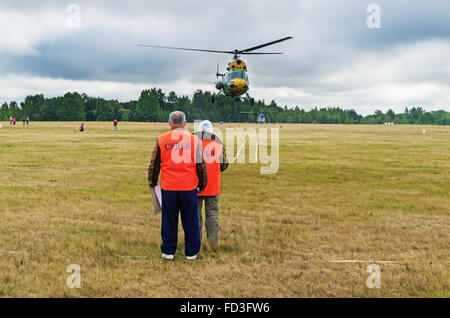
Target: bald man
(177,155)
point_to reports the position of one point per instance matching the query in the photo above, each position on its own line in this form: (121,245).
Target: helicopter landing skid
(213,96)
(252,100)
(236,98)
(240,98)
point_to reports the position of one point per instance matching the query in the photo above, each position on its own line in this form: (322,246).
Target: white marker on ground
(351,261)
(256,151)
(239,151)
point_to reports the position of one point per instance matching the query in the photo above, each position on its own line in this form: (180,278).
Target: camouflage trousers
(212,217)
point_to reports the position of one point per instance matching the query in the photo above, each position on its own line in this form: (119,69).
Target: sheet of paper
(157,199)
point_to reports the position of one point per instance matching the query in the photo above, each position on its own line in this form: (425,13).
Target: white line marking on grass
(239,151)
(351,261)
(131,256)
(358,261)
(9,252)
(256,151)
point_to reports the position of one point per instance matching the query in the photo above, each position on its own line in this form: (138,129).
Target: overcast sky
(335,59)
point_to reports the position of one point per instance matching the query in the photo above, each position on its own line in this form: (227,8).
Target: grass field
(354,192)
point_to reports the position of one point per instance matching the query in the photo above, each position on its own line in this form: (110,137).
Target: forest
(154,105)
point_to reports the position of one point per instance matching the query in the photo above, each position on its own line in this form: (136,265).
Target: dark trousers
(174,202)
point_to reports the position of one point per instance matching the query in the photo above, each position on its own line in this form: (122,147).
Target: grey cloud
(331,37)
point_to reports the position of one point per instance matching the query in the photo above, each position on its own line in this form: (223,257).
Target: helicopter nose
(238,84)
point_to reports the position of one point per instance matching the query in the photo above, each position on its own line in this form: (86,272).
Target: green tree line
(155,106)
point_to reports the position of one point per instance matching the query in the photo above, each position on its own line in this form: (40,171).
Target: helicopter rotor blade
(234,52)
(185,49)
(257,53)
(265,44)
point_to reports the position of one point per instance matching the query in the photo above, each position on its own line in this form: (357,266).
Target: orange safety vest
(178,167)
(212,151)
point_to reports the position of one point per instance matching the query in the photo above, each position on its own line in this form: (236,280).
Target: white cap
(206,125)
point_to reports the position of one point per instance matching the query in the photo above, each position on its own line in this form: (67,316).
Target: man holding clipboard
(177,155)
(156,198)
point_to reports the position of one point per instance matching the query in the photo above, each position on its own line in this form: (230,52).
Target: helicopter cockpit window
(234,75)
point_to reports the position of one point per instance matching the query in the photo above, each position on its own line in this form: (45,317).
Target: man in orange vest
(216,162)
(178,156)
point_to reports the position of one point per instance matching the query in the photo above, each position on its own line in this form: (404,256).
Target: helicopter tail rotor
(219,83)
(217,72)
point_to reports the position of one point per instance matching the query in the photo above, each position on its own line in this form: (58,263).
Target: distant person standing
(115,123)
(14,121)
(23,120)
(81,128)
(177,155)
(10,120)
(216,162)
(28,120)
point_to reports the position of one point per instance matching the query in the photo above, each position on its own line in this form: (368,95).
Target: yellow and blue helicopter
(234,82)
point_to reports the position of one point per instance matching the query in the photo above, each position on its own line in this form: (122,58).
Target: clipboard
(157,199)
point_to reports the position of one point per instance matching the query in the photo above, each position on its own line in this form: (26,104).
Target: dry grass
(341,193)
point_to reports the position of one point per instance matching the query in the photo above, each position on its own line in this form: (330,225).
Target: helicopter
(235,81)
